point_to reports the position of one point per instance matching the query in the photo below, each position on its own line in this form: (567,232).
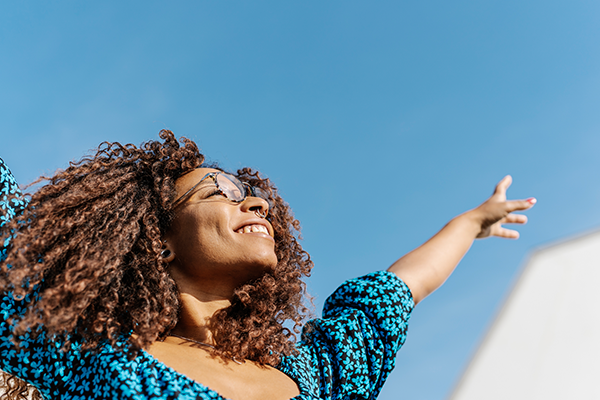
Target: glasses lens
(231,186)
(263,194)
(258,192)
(235,190)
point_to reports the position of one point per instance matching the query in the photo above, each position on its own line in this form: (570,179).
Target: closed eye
(206,192)
(215,193)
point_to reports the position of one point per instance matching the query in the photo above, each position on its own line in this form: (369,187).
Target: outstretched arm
(427,267)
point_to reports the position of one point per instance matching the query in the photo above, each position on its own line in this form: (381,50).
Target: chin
(258,270)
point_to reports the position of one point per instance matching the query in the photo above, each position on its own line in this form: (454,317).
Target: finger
(503,185)
(506,233)
(514,219)
(516,205)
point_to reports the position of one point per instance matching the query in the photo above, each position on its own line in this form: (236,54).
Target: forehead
(185,182)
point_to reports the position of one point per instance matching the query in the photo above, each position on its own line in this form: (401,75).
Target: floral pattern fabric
(346,354)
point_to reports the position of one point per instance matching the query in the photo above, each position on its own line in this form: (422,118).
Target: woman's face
(215,241)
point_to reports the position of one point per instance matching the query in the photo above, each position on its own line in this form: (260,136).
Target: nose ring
(259,215)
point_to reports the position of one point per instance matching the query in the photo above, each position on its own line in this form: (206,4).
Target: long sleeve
(34,358)
(350,352)
(17,361)
(12,201)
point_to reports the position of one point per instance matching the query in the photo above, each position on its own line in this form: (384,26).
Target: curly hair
(85,255)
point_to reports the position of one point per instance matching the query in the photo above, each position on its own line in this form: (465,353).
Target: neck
(200,298)
(196,312)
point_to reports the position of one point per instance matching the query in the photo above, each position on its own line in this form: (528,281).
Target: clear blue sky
(379,121)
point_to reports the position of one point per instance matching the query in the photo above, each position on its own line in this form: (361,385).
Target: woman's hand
(496,211)
(425,268)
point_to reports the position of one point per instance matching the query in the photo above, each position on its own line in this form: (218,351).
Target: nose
(255,204)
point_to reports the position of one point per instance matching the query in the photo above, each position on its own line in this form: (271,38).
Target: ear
(167,254)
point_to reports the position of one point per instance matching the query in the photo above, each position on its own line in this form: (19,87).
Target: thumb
(503,185)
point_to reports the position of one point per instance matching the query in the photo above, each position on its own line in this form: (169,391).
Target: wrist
(469,221)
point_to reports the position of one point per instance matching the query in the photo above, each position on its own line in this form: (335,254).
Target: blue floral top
(347,354)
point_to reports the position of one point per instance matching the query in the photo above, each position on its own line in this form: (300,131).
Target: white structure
(545,341)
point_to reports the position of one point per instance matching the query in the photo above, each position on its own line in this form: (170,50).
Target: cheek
(195,237)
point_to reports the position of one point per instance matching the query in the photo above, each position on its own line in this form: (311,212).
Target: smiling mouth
(255,228)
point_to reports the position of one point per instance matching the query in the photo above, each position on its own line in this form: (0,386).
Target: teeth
(253,228)
(259,228)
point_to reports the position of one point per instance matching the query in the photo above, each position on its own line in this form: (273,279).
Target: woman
(141,273)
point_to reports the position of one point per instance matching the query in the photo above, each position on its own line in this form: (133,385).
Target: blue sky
(378,121)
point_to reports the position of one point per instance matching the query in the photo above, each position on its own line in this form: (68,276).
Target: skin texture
(205,247)
(208,259)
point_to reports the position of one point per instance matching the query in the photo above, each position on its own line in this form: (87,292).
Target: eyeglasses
(230,187)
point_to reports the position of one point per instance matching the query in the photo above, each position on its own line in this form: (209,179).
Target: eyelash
(216,192)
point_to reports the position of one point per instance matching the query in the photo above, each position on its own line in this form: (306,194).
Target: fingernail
(532,200)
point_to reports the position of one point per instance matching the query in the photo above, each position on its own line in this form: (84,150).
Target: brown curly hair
(90,240)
